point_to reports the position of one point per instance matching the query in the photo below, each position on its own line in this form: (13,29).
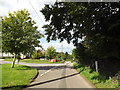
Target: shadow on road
(52,80)
(49,67)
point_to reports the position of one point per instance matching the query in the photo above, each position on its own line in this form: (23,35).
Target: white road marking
(48,71)
(51,69)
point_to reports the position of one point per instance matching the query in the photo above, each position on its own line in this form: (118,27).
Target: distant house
(4,55)
(42,51)
(22,56)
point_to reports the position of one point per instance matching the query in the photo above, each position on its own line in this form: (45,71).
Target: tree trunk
(14,59)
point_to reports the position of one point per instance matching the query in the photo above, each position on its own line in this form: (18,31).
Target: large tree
(19,33)
(96,24)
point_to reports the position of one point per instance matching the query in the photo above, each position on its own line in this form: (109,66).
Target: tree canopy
(19,33)
(92,27)
(95,23)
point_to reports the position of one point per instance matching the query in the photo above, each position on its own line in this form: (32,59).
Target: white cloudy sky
(32,6)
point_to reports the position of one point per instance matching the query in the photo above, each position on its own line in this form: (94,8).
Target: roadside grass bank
(17,77)
(98,80)
(35,61)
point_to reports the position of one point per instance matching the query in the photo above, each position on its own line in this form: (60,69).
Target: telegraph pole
(62,47)
(61,50)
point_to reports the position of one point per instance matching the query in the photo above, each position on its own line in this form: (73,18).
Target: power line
(35,11)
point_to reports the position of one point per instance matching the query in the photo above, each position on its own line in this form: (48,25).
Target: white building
(5,55)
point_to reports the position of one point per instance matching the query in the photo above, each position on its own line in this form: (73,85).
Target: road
(61,76)
(57,76)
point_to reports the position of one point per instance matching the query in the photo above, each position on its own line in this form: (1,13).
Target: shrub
(36,55)
(76,65)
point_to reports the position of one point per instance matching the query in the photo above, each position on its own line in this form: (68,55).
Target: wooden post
(96,66)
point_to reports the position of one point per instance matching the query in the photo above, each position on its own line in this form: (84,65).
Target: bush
(8,57)
(76,65)
(36,55)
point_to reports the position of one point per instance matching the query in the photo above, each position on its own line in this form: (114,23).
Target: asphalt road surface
(58,76)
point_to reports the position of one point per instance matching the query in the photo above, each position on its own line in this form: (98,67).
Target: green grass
(18,76)
(35,61)
(8,59)
(98,80)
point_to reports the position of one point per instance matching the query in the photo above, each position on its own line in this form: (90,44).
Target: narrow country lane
(62,76)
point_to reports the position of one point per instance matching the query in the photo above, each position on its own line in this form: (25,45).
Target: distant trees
(38,54)
(19,34)
(64,56)
(50,53)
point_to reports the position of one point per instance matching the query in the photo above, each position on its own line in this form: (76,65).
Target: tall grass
(98,80)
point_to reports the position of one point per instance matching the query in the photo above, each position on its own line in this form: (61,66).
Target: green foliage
(64,56)
(36,55)
(69,57)
(76,65)
(61,56)
(96,24)
(98,80)
(82,55)
(58,56)
(50,53)
(18,76)
(19,33)
(91,23)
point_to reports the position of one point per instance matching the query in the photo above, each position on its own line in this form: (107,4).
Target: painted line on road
(49,70)
(45,72)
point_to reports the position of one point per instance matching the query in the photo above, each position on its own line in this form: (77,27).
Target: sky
(34,7)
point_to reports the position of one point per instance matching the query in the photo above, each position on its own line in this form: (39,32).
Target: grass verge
(35,61)
(98,80)
(16,77)
(39,61)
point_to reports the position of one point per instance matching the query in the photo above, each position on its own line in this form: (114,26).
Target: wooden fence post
(96,66)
